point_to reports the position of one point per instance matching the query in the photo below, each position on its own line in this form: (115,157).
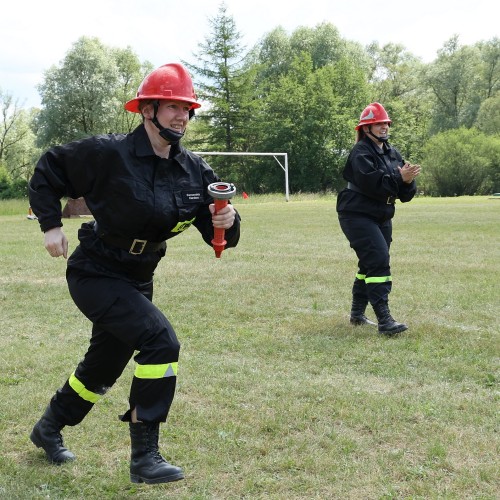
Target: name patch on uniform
(193,196)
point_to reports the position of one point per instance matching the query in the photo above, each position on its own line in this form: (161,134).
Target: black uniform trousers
(124,321)
(371,240)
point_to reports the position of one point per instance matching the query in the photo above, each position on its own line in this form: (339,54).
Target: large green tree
(461,162)
(21,156)
(130,73)
(454,79)
(488,118)
(84,96)
(395,71)
(313,86)
(277,50)
(17,139)
(490,67)
(311,115)
(11,114)
(224,85)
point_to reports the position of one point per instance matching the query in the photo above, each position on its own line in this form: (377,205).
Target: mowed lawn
(278,396)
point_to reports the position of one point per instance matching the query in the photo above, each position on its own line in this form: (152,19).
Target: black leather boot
(358,313)
(386,323)
(146,463)
(46,434)
(359,303)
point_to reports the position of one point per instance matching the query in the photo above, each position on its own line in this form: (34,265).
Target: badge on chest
(192,196)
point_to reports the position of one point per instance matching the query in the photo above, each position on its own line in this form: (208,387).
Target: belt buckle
(141,246)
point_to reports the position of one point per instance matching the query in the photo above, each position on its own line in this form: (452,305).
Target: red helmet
(170,81)
(373,113)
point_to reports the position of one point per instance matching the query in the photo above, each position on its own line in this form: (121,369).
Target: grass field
(278,396)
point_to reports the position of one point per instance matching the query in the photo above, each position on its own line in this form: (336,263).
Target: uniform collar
(142,147)
(386,147)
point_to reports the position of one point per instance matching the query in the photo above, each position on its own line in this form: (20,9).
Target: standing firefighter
(376,176)
(142,189)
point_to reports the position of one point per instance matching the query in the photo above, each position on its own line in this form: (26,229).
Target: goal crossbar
(274,155)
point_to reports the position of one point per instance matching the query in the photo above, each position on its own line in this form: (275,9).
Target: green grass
(278,396)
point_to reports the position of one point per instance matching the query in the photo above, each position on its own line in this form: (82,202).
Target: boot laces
(56,433)
(158,458)
(155,454)
(152,448)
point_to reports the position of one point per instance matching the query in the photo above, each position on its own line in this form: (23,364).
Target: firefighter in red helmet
(376,176)
(142,188)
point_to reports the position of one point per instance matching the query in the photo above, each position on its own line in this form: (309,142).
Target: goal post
(274,155)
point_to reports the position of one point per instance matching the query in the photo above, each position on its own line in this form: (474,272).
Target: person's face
(174,114)
(380,129)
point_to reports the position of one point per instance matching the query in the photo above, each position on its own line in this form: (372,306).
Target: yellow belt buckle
(142,246)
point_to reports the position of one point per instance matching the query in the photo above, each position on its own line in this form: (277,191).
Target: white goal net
(283,156)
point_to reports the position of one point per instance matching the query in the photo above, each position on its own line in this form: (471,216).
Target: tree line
(299,93)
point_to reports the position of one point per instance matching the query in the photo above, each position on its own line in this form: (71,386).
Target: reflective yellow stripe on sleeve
(156,371)
(360,276)
(378,279)
(80,389)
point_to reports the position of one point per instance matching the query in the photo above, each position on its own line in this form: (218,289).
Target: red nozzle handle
(221,192)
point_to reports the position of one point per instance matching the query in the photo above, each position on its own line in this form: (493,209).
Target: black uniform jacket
(131,192)
(376,177)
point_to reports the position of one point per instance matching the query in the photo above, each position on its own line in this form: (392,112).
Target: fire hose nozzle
(221,192)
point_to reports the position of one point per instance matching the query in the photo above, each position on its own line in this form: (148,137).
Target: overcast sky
(35,34)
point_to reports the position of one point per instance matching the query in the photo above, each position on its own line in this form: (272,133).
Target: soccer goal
(284,165)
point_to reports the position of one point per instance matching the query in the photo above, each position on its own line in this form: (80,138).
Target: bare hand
(56,242)
(409,172)
(224,219)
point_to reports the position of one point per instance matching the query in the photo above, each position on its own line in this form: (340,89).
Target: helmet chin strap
(168,134)
(379,139)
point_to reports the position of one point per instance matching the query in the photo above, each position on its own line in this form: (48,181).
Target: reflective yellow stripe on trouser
(82,391)
(156,371)
(360,276)
(378,279)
